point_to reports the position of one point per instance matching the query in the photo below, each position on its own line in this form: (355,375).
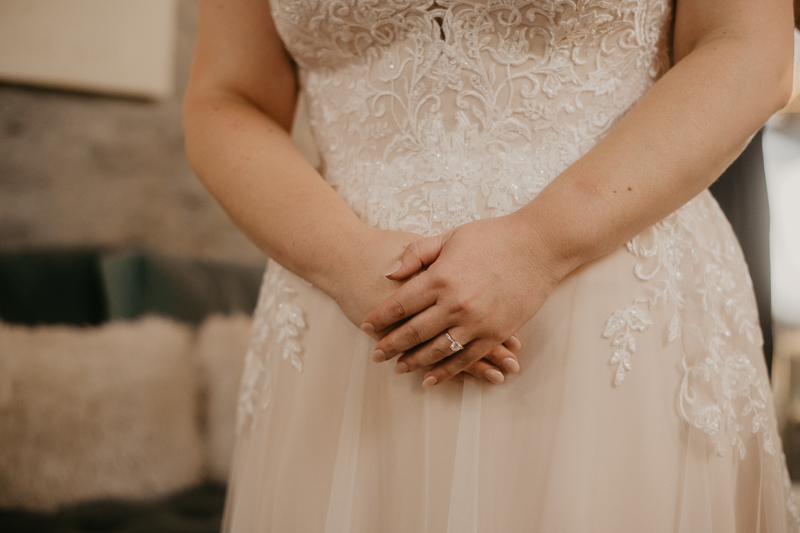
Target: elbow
(191,116)
(783,89)
(770,74)
(781,83)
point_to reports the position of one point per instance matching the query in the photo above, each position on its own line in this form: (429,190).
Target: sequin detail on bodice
(428,115)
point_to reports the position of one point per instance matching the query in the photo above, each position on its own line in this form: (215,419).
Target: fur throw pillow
(90,413)
(220,350)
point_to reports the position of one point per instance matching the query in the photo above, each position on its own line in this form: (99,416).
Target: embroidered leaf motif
(703,278)
(619,328)
(277,325)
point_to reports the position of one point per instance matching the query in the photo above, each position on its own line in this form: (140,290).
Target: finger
(457,362)
(378,335)
(418,254)
(513,343)
(417,330)
(408,300)
(503,358)
(482,369)
(425,355)
(432,352)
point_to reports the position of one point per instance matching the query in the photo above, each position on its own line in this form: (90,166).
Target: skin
(732,70)
(238,112)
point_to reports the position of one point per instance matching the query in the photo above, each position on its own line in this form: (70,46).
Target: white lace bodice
(430,114)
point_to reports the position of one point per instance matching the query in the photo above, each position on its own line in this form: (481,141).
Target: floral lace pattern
(620,327)
(430,114)
(700,278)
(709,294)
(277,325)
(704,283)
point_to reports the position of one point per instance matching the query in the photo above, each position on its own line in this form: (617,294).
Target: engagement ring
(455,346)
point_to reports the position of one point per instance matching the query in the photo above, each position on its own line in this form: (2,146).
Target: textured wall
(84,170)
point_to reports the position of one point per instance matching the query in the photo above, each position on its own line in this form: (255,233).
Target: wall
(95,171)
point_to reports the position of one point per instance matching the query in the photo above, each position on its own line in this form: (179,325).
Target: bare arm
(733,69)
(238,111)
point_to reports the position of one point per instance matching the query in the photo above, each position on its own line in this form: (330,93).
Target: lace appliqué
(702,280)
(698,277)
(277,325)
(428,115)
(620,328)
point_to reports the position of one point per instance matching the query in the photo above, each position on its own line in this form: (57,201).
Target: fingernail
(430,381)
(367,328)
(511,365)
(495,376)
(394,267)
(378,356)
(400,368)
(515,341)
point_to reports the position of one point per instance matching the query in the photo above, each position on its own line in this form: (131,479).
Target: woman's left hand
(485,280)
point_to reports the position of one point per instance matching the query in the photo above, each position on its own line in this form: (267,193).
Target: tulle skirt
(329,441)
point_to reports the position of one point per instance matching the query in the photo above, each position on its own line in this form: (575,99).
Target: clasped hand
(484,280)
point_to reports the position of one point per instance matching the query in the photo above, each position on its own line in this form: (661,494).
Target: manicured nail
(378,356)
(511,365)
(394,267)
(367,328)
(400,368)
(495,376)
(514,343)
(430,381)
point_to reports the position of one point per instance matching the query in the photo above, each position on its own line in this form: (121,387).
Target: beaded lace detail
(428,115)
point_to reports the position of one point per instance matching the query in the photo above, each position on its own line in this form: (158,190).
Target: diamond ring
(455,346)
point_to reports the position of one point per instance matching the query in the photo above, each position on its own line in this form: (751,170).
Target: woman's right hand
(361,284)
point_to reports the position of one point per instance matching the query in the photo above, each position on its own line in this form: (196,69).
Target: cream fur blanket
(219,351)
(97,412)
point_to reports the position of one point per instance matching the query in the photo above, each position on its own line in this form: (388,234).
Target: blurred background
(126,292)
(102,163)
(127,424)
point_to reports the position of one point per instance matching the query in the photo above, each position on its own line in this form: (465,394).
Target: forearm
(250,164)
(673,144)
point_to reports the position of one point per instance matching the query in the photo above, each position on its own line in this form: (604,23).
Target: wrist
(556,236)
(331,268)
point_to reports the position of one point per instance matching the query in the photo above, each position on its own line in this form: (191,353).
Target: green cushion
(183,289)
(88,288)
(52,288)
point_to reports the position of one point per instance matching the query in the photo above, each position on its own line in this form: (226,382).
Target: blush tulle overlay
(643,403)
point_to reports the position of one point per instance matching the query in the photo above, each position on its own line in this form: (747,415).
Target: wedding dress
(643,403)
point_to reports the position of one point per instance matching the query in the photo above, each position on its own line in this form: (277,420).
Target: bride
(506,301)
